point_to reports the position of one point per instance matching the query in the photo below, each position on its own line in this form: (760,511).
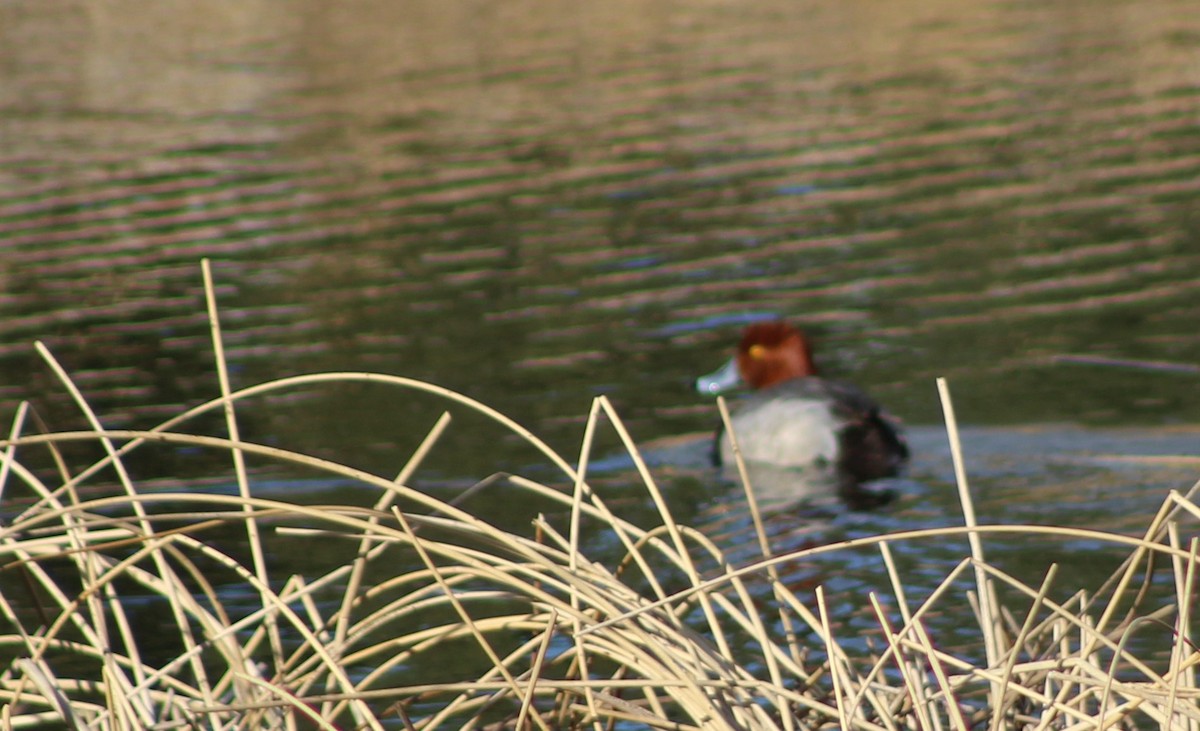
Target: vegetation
(121,610)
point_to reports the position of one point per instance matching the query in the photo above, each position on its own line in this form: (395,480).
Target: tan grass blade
(660,630)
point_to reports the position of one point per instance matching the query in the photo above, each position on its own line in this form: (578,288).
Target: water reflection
(545,203)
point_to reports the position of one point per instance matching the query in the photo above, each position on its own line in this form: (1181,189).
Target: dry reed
(668,635)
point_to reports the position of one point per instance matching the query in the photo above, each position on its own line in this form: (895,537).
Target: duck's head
(768,353)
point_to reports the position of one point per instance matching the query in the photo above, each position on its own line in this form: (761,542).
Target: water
(537,203)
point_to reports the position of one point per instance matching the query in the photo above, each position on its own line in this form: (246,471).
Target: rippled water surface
(534,203)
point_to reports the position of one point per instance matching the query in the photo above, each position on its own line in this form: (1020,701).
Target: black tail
(872,448)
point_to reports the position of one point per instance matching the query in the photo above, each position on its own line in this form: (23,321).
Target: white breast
(785,432)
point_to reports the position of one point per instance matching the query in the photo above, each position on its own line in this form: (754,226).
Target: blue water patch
(632,263)
(733,319)
(276,486)
(796,189)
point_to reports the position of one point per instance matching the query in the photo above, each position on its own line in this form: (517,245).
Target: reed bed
(120,609)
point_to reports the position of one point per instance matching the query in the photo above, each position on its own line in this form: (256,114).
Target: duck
(795,419)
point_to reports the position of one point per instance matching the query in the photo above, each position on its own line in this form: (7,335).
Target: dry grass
(668,635)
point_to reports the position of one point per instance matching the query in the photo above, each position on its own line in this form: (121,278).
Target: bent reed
(442,618)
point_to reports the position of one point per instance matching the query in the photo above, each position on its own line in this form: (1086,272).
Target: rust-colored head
(773,352)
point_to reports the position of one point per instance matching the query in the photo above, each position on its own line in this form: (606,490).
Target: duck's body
(795,419)
(813,422)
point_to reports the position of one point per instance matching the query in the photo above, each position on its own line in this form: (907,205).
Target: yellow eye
(757,351)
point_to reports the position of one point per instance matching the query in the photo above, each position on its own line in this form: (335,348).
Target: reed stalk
(660,630)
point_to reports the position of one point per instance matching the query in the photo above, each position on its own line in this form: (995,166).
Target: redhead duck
(795,419)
